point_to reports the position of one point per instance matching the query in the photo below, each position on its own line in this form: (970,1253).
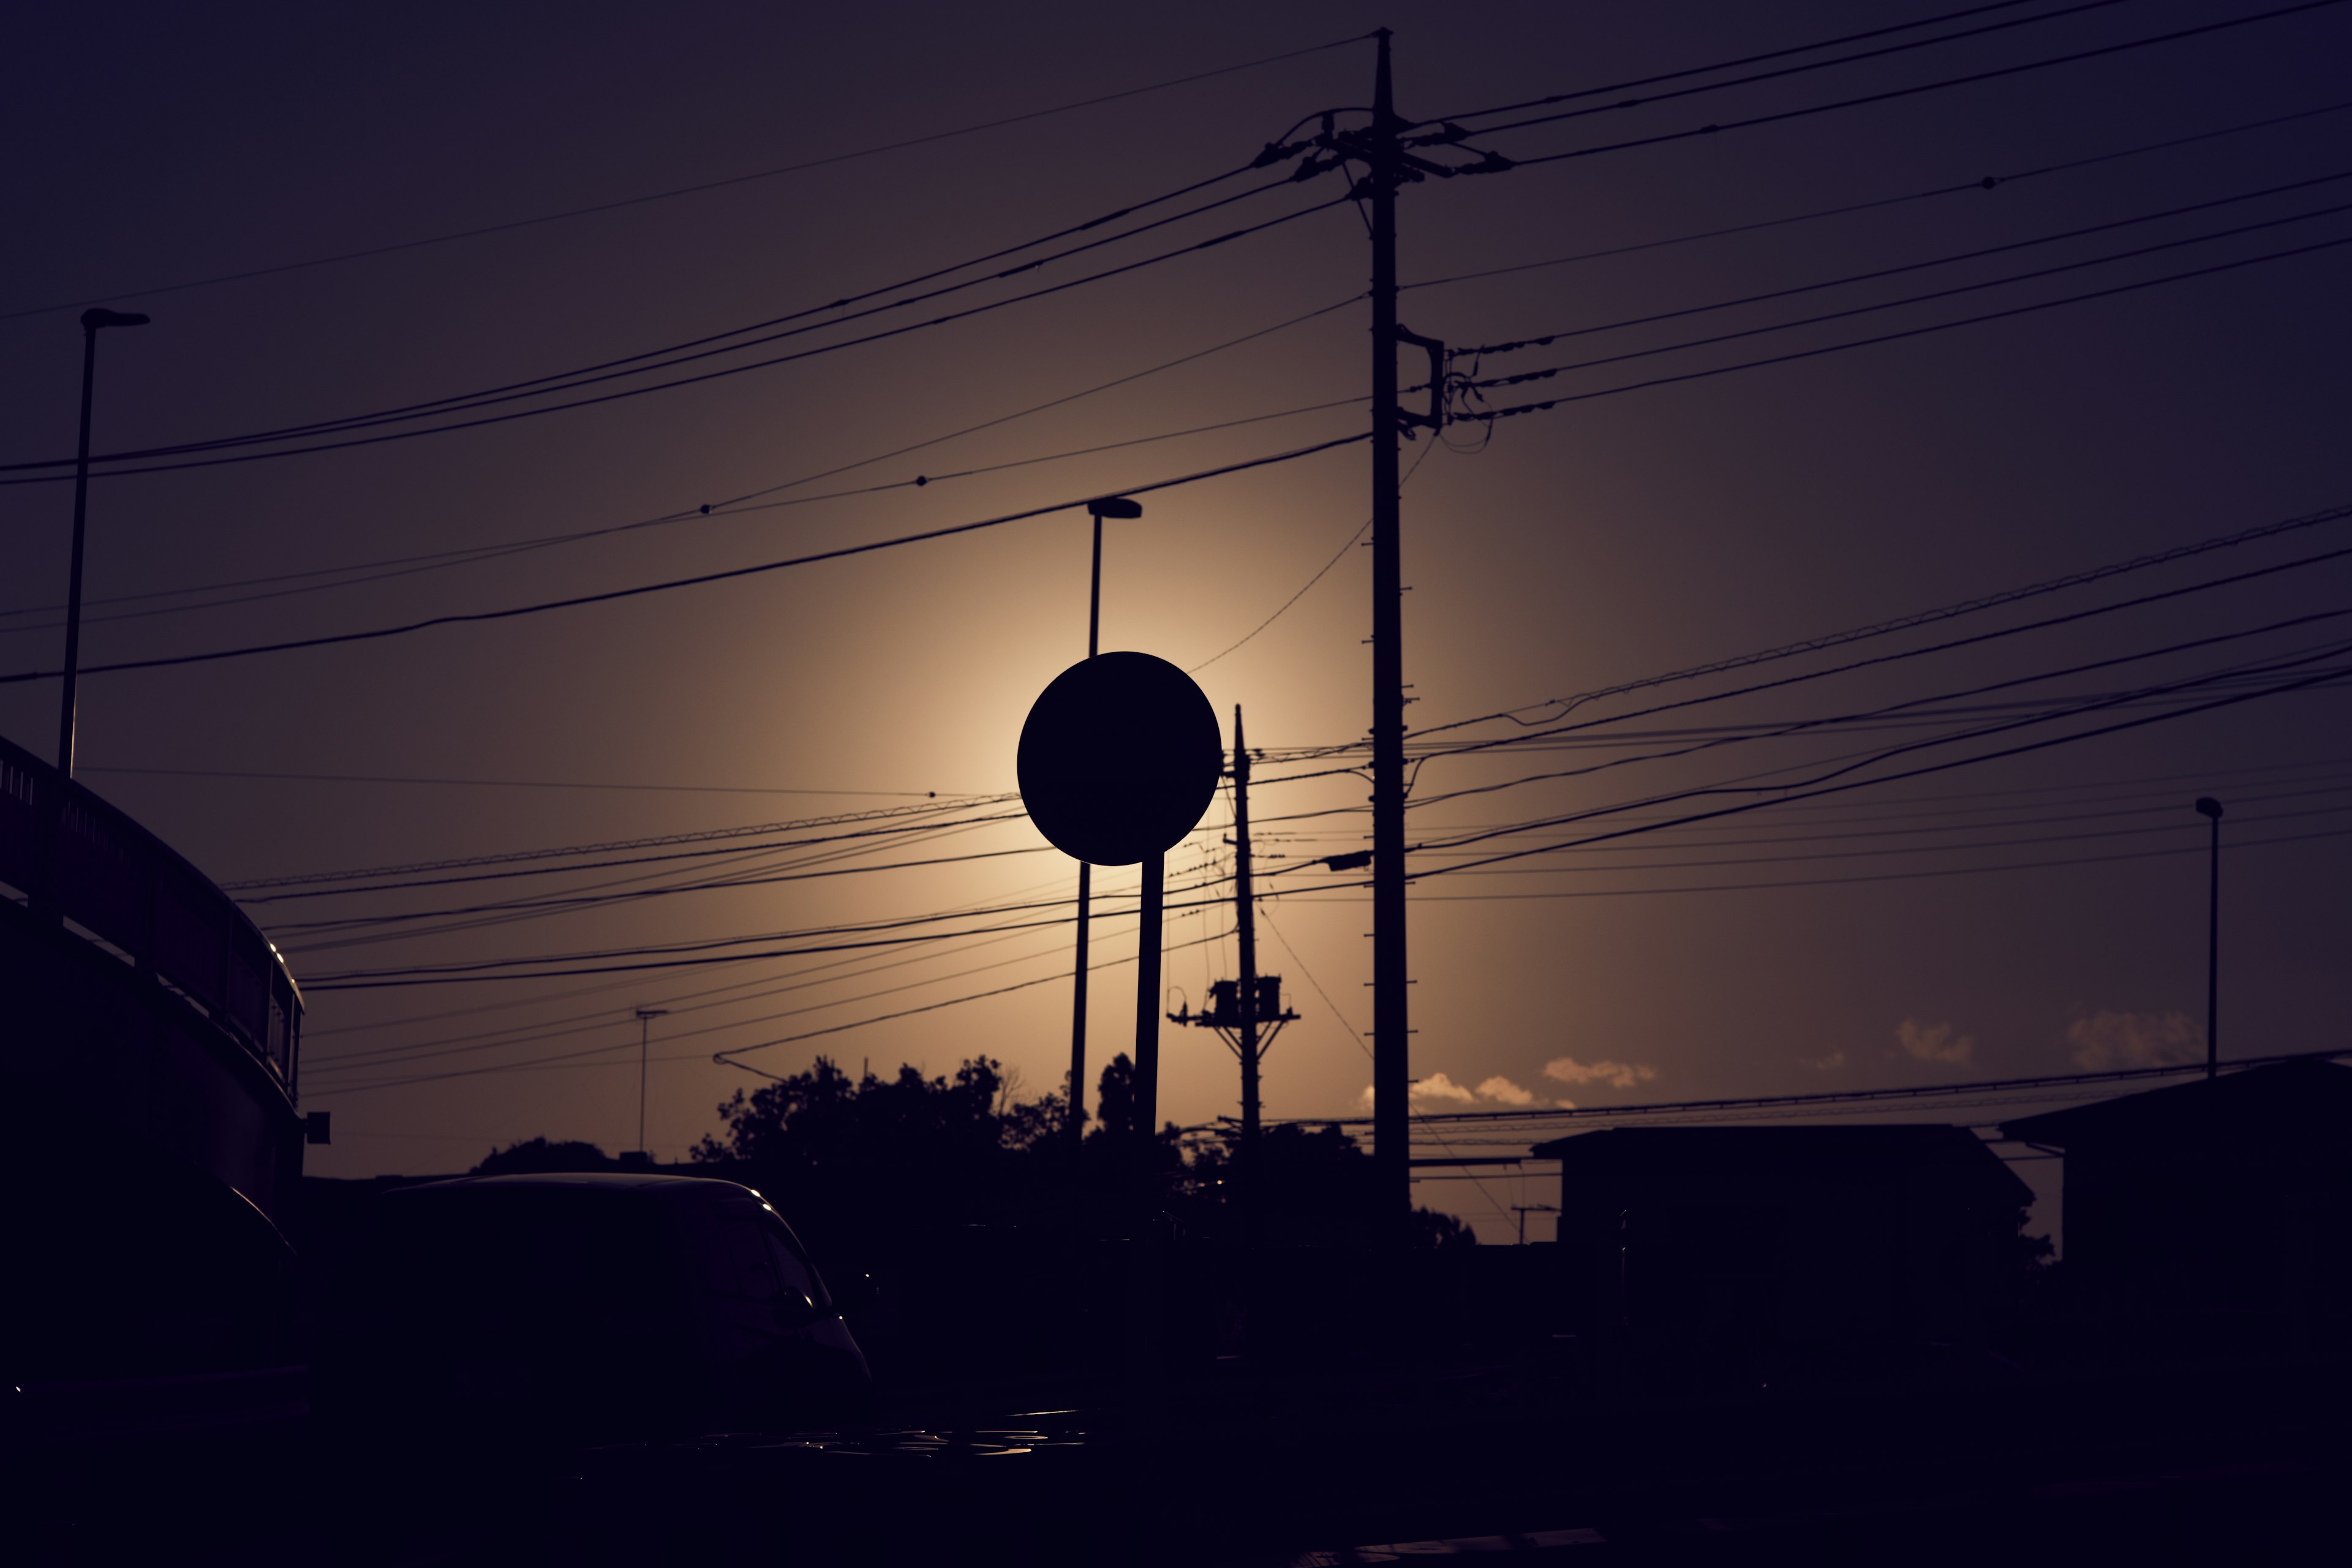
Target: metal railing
(76,857)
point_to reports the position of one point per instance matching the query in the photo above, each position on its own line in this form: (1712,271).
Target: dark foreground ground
(1362,1463)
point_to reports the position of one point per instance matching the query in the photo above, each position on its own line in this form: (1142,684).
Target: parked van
(580,1308)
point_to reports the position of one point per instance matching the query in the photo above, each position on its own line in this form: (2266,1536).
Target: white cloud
(1437,1086)
(1565,1104)
(1366,1099)
(2107,1039)
(1503,1088)
(1826,1064)
(1934,1042)
(1618,1074)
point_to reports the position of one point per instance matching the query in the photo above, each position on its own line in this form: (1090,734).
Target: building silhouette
(1735,1255)
(2214,1216)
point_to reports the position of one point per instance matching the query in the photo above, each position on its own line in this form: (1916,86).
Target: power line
(480,554)
(1973,845)
(121,295)
(1544,374)
(1964,642)
(599,1050)
(496,783)
(1822,785)
(2231,676)
(832,972)
(381,1057)
(1771,75)
(1912,91)
(1735,64)
(1774,835)
(1987,182)
(556,871)
(1514,346)
(601,398)
(1535,736)
(1830,1097)
(384,1056)
(738,505)
(1922,618)
(574,601)
(1267,915)
(1319,575)
(665,956)
(567,903)
(1795,355)
(666,358)
(661,841)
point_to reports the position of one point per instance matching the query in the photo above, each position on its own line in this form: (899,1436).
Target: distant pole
(2210,809)
(645,1016)
(92,320)
(1392,1038)
(1246,919)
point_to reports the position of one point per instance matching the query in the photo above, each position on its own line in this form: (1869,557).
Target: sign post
(1119,757)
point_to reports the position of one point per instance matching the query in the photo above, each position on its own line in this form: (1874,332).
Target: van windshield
(531,1272)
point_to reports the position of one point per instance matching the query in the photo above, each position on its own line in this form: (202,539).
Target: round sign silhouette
(1119,757)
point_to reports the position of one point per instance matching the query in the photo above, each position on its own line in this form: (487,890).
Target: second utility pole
(1391,1071)
(1245,923)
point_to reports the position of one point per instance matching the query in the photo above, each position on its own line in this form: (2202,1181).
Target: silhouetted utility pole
(2210,809)
(1392,1043)
(1245,922)
(1119,506)
(1247,1013)
(1389,163)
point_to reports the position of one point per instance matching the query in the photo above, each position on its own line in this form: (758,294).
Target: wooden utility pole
(1246,920)
(1391,1037)
(1247,1013)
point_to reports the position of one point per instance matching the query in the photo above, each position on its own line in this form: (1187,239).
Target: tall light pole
(92,320)
(1119,507)
(645,1016)
(2210,809)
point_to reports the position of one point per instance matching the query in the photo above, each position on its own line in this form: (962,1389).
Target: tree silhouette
(854,1159)
(1115,1100)
(536,1156)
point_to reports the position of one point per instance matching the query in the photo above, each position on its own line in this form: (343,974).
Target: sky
(2025,914)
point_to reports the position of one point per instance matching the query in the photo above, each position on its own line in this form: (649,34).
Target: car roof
(681,1188)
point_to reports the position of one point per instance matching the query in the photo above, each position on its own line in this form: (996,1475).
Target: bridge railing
(73,855)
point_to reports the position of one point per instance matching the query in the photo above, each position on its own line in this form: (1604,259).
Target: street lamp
(1098,509)
(2210,809)
(645,1016)
(92,320)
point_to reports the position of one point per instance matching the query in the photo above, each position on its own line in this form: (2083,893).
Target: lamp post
(645,1016)
(92,320)
(1119,507)
(2210,809)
